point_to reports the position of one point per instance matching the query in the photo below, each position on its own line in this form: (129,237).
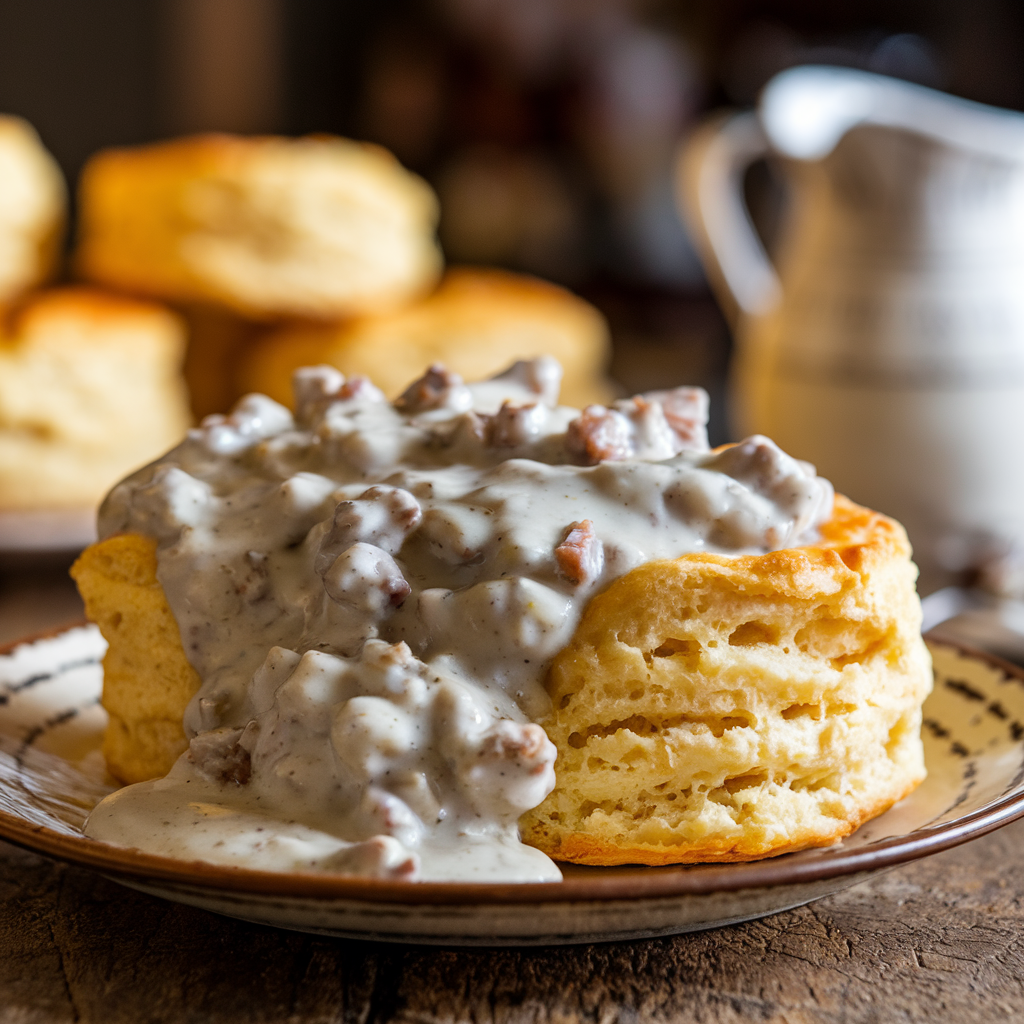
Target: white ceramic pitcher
(887,344)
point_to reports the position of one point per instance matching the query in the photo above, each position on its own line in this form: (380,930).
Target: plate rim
(46,529)
(627,883)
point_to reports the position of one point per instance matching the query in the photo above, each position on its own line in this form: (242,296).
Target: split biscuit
(715,708)
(475,324)
(707,708)
(268,227)
(32,209)
(90,389)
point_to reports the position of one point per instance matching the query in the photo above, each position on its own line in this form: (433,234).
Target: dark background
(97,74)
(548,127)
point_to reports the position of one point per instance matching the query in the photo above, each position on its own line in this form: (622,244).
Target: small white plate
(46,529)
(51,775)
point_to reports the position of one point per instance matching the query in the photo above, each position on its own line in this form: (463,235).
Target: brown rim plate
(50,720)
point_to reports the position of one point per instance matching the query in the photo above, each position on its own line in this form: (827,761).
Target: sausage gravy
(371,593)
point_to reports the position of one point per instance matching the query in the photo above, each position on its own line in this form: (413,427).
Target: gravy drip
(372,593)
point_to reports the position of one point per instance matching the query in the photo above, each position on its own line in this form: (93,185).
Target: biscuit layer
(713,708)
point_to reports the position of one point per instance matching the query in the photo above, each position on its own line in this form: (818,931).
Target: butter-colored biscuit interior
(147,680)
(714,708)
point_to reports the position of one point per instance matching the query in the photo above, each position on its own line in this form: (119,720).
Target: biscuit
(714,708)
(708,708)
(476,323)
(217,342)
(32,209)
(147,681)
(269,227)
(90,389)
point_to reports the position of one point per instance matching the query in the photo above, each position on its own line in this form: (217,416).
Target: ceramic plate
(46,529)
(51,775)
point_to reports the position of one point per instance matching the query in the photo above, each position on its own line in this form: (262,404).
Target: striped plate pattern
(52,774)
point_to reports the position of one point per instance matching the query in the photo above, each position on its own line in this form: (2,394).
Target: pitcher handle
(709,190)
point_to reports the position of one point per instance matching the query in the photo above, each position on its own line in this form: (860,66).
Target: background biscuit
(90,389)
(476,323)
(32,209)
(267,226)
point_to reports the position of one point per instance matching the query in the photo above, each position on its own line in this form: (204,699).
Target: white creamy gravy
(372,594)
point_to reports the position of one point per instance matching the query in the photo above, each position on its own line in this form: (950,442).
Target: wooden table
(939,940)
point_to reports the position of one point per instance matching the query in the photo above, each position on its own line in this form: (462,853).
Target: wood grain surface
(939,940)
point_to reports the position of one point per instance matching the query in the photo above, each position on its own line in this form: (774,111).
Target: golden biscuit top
(267,226)
(83,316)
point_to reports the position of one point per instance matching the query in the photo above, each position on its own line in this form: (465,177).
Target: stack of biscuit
(90,383)
(281,252)
(234,260)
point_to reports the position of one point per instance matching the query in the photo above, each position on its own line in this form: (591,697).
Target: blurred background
(547,127)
